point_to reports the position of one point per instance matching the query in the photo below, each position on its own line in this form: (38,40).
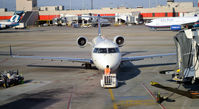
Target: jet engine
(119,40)
(82,41)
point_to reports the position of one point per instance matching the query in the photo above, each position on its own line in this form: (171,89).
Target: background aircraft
(174,23)
(104,52)
(14,20)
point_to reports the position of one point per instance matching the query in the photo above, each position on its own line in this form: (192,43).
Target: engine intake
(119,40)
(82,41)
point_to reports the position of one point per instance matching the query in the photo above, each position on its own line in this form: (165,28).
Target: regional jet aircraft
(14,21)
(174,23)
(104,52)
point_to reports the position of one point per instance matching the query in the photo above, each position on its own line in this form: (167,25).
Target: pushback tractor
(109,81)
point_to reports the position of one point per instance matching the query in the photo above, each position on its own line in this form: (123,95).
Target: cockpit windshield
(149,21)
(113,50)
(106,50)
(102,50)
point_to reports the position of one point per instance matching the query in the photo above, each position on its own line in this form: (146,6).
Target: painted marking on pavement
(69,100)
(127,103)
(153,96)
(111,93)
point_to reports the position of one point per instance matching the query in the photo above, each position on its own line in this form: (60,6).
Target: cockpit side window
(117,50)
(113,50)
(95,50)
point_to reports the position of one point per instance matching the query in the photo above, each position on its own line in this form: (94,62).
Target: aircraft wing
(136,58)
(56,59)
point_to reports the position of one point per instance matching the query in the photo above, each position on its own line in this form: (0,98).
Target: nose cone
(112,62)
(148,24)
(102,60)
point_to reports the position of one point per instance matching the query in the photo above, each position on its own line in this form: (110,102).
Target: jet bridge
(30,18)
(187,45)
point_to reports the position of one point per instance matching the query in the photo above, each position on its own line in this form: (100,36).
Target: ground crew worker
(159,99)
(107,70)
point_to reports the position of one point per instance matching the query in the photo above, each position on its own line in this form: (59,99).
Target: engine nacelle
(119,40)
(82,41)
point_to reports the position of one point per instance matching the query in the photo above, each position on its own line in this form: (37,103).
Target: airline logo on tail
(14,20)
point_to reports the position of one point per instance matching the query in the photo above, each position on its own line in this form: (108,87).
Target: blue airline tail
(16,17)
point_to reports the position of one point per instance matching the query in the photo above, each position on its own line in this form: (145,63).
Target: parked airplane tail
(16,17)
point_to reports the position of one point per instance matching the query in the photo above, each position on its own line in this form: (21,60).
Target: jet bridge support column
(187,45)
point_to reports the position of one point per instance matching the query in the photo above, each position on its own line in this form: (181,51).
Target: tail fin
(99,25)
(15,18)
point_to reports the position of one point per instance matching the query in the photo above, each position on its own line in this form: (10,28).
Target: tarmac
(65,85)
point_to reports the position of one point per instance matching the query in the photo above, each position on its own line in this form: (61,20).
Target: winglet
(10,50)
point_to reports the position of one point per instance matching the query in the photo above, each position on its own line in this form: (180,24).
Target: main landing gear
(87,66)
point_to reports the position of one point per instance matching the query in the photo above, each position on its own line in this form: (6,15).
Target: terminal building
(27,5)
(171,9)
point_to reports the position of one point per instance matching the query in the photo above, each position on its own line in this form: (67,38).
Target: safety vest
(107,71)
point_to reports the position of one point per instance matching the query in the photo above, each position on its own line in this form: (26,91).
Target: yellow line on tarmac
(113,98)
(115,106)
(128,103)
(111,93)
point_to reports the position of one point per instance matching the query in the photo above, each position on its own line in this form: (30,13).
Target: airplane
(104,52)
(103,22)
(93,20)
(174,23)
(14,21)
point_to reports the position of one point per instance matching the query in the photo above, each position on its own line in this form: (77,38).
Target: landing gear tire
(87,66)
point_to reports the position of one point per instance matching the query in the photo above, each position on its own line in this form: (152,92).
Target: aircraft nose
(148,24)
(113,64)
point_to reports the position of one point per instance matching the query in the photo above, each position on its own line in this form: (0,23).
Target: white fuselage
(169,21)
(105,52)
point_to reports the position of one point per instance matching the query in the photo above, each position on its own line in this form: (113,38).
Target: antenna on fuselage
(99,25)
